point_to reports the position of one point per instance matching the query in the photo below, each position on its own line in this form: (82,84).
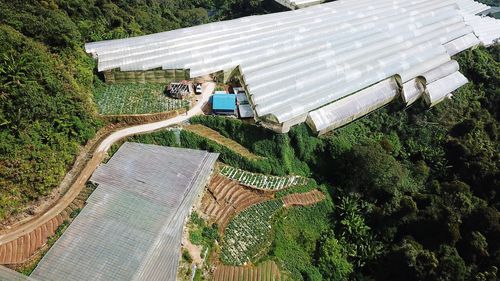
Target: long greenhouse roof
(131,227)
(470,6)
(298,61)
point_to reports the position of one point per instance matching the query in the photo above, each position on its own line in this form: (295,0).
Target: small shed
(245,111)
(242,98)
(238,90)
(181,90)
(224,104)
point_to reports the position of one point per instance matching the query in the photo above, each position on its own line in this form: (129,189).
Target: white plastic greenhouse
(470,6)
(297,62)
(131,227)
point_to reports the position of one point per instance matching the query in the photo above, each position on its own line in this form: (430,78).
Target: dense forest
(46,79)
(413,191)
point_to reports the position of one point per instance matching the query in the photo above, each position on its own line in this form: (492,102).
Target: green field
(249,233)
(121,99)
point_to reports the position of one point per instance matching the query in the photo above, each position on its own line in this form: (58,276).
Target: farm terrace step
(260,181)
(226,198)
(303,199)
(266,271)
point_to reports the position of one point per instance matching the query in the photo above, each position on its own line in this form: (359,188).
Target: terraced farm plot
(226,198)
(248,234)
(266,271)
(128,99)
(261,181)
(23,248)
(303,199)
(222,140)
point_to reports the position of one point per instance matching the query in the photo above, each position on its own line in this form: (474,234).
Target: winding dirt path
(98,156)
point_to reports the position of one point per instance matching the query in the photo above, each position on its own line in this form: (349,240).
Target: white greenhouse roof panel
(299,4)
(472,7)
(131,227)
(461,44)
(439,90)
(441,71)
(412,91)
(487,29)
(353,107)
(295,62)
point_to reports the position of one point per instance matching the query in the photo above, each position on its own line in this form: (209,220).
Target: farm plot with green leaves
(125,99)
(261,181)
(249,233)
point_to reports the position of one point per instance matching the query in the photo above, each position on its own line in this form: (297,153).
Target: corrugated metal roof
(242,98)
(298,61)
(131,227)
(245,111)
(224,102)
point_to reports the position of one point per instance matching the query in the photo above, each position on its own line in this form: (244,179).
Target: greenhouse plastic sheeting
(7,274)
(439,90)
(486,29)
(352,107)
(441,71)
(131,227)
(460,44)
(412,91)
(298,61)
(472,7)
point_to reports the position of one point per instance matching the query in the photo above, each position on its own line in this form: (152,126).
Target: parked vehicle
(198,89)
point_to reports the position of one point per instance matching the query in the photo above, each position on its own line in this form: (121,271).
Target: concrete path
(97,158)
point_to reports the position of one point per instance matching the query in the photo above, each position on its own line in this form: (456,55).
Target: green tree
(332,261)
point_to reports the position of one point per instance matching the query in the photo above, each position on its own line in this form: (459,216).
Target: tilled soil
(225,198)
(303,199)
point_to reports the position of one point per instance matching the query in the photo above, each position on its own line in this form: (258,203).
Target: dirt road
(99,155)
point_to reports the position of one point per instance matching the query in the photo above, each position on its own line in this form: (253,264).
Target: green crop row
(120,99)
(261,181)
(249,233)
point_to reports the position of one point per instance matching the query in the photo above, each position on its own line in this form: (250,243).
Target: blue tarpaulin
(224,102)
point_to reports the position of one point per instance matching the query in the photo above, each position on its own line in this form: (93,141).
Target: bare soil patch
(303,199)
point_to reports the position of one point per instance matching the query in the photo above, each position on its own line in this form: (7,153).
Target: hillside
(411,193)
(414,193)
(47,110)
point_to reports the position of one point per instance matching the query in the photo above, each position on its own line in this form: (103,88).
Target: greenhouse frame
(299,4)
(132,224)
(294,63)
